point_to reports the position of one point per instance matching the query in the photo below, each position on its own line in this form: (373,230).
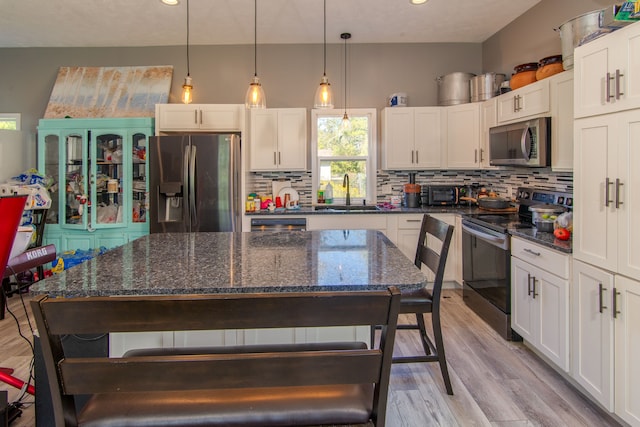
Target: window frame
(11,117)
(371,162)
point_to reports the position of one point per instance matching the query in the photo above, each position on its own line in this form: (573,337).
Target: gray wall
(531,37)
(221,74)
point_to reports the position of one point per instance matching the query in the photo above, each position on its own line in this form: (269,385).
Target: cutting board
(279,184)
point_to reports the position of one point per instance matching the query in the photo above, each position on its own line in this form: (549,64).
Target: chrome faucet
(345,183)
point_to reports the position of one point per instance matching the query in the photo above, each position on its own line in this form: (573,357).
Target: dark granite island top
(204,263)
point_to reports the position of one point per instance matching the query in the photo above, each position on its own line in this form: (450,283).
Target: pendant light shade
(345,118)
(187,87)
(255,97)
(324,94)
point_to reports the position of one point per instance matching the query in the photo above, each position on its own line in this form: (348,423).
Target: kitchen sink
(346,208)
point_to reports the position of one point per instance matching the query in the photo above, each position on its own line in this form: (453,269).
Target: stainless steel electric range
(486,256)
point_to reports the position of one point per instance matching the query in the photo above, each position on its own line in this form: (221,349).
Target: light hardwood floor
(496,382)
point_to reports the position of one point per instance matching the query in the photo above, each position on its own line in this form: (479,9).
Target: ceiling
(115,23)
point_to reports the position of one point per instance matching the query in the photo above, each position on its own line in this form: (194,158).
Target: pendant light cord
(255,38)
(188,70)
(345,73)
(324,72)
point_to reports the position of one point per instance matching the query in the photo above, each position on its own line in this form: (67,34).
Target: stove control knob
(569,201)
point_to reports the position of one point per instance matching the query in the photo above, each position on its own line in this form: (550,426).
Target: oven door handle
(501,241)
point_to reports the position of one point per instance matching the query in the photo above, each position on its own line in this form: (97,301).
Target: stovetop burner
(499,223)
(521,219)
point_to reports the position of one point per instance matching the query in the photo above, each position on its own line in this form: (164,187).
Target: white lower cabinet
(403,231)
(606,339)
(627,350)
(540,299)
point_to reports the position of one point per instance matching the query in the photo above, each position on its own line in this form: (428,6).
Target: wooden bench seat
(279,385)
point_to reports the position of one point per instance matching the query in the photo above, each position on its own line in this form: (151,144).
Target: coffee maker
(411,192)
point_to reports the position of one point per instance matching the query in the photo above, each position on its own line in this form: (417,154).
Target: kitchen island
(206,263)
(202,263)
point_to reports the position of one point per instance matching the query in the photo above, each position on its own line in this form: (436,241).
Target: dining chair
(433,233)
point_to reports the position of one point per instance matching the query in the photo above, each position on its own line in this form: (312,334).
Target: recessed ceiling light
(418,1)
(170,2)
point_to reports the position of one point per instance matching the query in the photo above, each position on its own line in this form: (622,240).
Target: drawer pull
(532,252)
(414,220)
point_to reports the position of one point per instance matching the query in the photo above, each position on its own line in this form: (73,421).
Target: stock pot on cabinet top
(453,88)
(485,86)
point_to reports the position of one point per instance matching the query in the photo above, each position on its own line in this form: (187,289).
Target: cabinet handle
(195,116)
(200,116)
(274,158)
(532,252)
(601,289)
(515,108)
(533,293)
(417,161)
(482,155)
(607,183)
(618,75)
(607,83)
(618,185)
(614,302)
(475,156)
(411,156)
(279,158)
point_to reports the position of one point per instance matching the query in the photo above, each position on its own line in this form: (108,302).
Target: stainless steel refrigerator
(194,183)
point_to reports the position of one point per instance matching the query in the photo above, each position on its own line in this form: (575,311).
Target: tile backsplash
(504,181)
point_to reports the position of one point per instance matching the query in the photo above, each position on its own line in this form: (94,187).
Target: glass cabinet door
(106,157)
(139,195)
(51,169)
(75,180)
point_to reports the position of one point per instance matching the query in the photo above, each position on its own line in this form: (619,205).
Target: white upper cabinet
(606,194)
(488,119)
(607,73)
(199,117)
(278,139)
(411,138)
(561,97)
(528,101)
(463,136)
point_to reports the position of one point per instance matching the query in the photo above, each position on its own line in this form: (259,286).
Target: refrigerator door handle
(186,184)
(234,181)
(192,186)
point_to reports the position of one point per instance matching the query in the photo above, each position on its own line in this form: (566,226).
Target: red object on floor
(17,383)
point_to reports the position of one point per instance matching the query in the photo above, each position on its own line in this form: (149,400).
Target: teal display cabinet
(99,173)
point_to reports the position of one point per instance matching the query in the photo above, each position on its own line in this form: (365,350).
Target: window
(339,150)
(9,121)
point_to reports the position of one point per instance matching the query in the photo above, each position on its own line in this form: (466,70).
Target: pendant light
(187,87)
(255,95)
(324,95)
(345,118)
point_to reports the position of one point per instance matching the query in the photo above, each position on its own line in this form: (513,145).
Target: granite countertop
(543,238)
(202,263)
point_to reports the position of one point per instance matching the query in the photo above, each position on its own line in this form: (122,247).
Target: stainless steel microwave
(525,143)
